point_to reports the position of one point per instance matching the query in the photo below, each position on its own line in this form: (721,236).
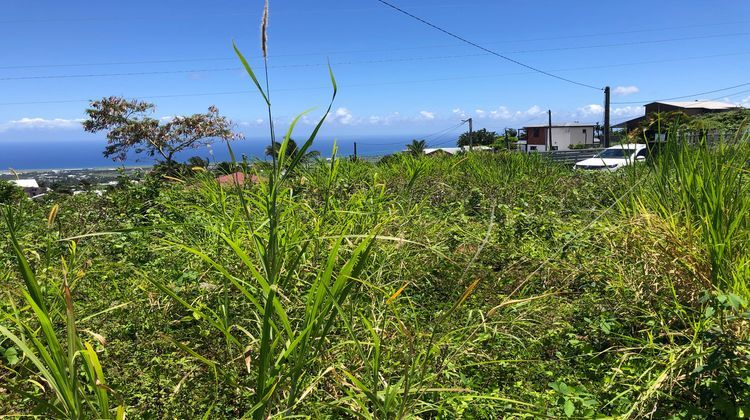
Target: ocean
(72,154)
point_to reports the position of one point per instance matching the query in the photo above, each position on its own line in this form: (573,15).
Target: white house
(563,136)
(30,186)
(453,150)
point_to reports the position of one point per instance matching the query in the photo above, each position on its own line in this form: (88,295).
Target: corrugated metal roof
(25,183)
(453,150)
(449,150)
(237,178)
(699,104)
(561,125)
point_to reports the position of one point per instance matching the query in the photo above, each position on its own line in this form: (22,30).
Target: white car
(615,157)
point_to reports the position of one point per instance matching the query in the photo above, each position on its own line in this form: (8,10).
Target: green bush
(10,193)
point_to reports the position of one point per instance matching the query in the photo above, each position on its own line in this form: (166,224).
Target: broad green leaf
(11,355)
(569,408)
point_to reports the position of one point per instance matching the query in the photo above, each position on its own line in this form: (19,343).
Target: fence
(569,157)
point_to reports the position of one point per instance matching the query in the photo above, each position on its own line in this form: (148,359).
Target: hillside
(478,285)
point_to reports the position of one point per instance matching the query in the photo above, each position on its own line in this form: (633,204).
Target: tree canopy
(726,122)
(10,193)
(130,127)
(416,147)
(480,138)
(291,150)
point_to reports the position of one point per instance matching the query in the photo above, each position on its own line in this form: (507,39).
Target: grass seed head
(264,31)
(52,215)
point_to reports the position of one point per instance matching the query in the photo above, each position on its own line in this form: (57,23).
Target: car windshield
(618,153)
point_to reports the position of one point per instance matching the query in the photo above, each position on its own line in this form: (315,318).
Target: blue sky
(396,75)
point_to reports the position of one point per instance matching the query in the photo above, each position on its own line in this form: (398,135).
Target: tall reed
(704,190)
(69,371)
(288,334)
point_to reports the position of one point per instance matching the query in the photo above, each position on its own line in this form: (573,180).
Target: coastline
(94,168)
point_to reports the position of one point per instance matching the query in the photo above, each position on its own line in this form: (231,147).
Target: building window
(532,148)
(536,132)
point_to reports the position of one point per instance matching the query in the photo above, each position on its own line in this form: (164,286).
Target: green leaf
(11,355)
(569,408)
(23,265)
(250,72)
(555,386)
(736,302)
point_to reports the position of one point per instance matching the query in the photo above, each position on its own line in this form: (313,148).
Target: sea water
(68,154)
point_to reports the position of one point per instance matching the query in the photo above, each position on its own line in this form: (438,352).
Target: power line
(534,118)
(588,35)
(419,137)
(443,132)
(193,60)
(486,49)
(439,134)
(161,18)
(134,73)
(304,65)
(623,44)
(683,97)
(449,131)
(741,92)
(400,82)
(116,63)
(442,143)
(224,69)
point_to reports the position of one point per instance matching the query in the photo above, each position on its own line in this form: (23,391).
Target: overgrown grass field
(483,285)
(477,286)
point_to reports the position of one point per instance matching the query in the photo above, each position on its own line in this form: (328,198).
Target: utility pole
(606,116)
(471,133)
(549,131)
(355,150)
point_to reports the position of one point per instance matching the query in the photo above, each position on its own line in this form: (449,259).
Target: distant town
(71,181)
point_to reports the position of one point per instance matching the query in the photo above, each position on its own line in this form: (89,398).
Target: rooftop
(237,178)
(698,104)
(629,146)
(453,150)
(25,183)
(557,125)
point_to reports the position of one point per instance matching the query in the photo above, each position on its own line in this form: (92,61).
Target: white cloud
(459,112)
(625,90)
(534,110)
(427,115)
(594,112)
(591,110)
(41,124)
(387,119)
(503,113)
(744,102)
(627,111)
(254,123)
(343,116)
